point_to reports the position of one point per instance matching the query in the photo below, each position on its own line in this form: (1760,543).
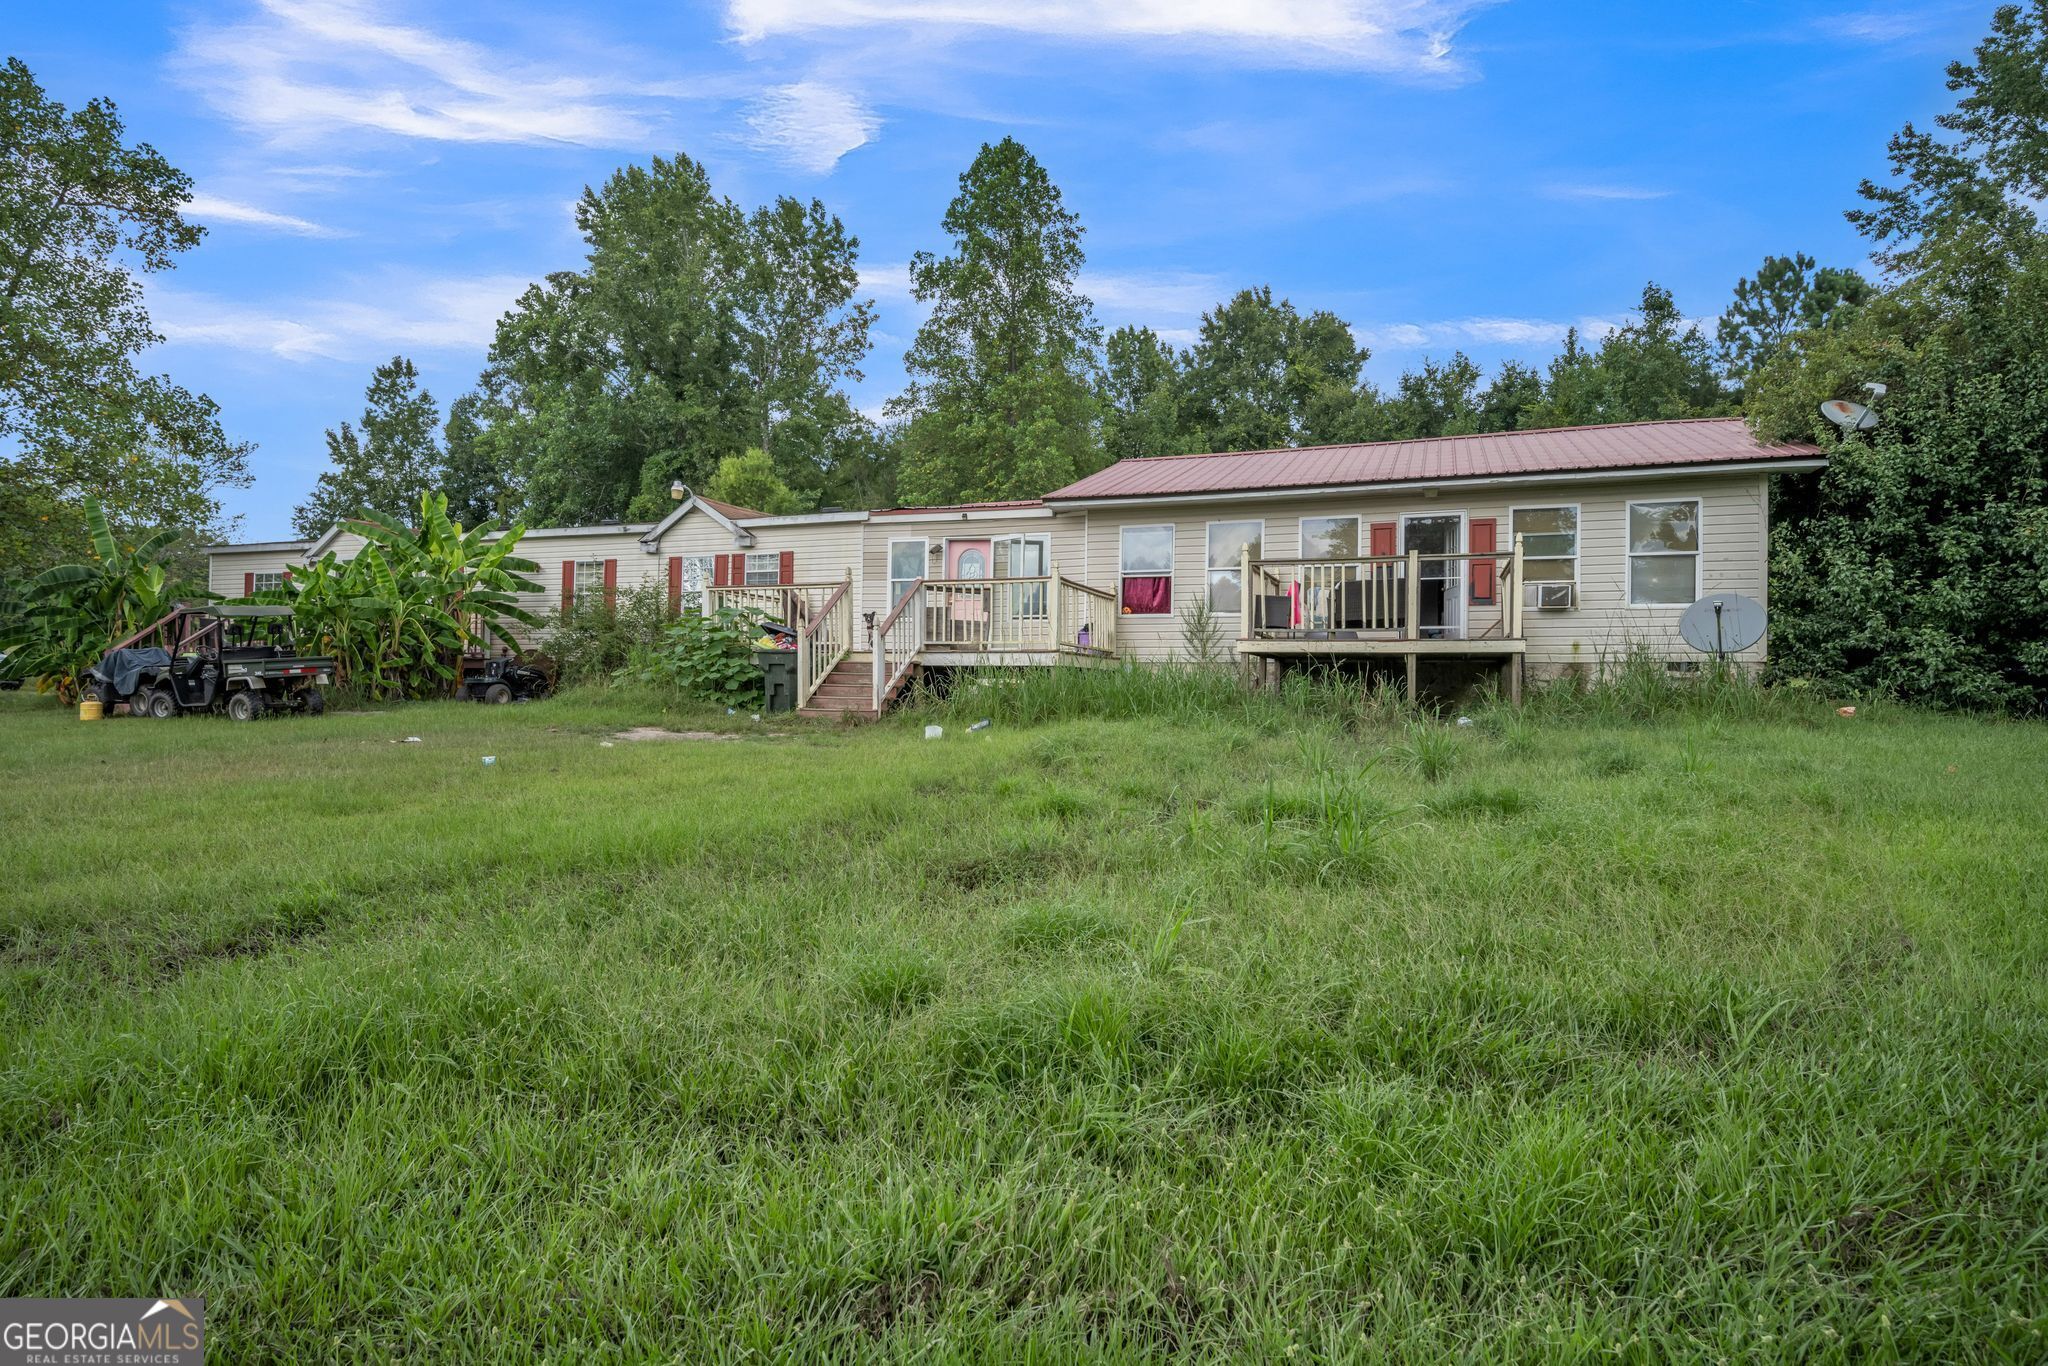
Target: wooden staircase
(849,690)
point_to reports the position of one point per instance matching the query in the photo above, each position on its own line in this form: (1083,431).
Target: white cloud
(458,314)
(1143,295)
(1581,190)
(299,69)
(810,125)
(1412,36)
(209,209)
(1471,331)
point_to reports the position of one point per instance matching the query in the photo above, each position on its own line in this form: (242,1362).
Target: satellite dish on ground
(1722,623)
(1848,415)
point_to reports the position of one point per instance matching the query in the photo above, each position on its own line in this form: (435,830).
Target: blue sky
(385,177)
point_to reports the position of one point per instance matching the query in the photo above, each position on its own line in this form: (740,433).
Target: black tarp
(122,667)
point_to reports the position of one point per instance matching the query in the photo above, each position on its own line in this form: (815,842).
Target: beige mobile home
(1522,552)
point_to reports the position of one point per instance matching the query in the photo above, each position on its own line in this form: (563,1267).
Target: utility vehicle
(244,661)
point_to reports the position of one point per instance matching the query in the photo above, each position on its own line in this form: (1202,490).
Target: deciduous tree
(386,467)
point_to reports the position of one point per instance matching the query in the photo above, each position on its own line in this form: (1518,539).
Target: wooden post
(1410,659)
(1414,611)
(1515,575)
(1052,606)
(1244,596)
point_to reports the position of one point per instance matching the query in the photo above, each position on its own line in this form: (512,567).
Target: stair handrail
(898,639)
(824,640)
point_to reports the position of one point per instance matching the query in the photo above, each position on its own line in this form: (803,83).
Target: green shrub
(709,655)
(594,640)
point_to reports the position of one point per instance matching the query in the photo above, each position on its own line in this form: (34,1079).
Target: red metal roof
(1014,504)
(730,511)
(1555,450)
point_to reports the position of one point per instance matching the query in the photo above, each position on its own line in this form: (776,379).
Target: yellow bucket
(90,709)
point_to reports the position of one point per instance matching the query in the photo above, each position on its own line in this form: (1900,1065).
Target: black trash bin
(778,672)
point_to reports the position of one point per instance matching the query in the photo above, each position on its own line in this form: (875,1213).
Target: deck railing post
(1052,606)
(1515,581)
(1414,595)
(1244,597)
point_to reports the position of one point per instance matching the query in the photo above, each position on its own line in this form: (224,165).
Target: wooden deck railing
(824,640)
(898,639)
(1084,618)
(1373,595)
(792,604)
(1039,614)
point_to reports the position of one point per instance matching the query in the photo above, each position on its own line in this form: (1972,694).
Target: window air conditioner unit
(1554,597)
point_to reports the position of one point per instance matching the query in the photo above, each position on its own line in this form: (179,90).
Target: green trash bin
(778,672)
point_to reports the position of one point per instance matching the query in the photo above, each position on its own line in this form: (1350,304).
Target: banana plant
(68,615)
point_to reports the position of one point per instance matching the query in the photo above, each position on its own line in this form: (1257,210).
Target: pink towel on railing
(1294,602)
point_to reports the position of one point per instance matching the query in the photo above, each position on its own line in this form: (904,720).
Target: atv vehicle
(240,660)
(500,678)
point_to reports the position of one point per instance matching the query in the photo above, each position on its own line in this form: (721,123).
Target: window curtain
(1148,594)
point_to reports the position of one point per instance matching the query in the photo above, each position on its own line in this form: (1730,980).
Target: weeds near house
(1430,749)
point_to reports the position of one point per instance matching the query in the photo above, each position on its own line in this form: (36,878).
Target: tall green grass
(1225,1033)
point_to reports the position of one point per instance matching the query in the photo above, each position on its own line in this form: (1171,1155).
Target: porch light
(677,492)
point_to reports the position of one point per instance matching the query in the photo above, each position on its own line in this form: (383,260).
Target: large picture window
(1228,544)
(1147,572)
(1550,543)
(1663,553)
(906,566)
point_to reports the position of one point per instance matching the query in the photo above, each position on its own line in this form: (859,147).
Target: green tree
(1262,375)
(1437,400)
(801,334)
(476,476)
(386,468)
(1139,389)
(1512,397)
(691,333)
(1786,297)
(1655,366)
(1916,564)
(68,616)
(751,481)
(78,205)
(999,403)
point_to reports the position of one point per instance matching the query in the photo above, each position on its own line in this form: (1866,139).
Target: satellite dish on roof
(1722,624)
(1849,416)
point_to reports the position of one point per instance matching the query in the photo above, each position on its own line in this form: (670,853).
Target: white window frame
(1210,571)
(1358,537)
(774,570)
(594,584)
(1172,531)
(924,550)
(1578,535)
(1697,554)
(257,582)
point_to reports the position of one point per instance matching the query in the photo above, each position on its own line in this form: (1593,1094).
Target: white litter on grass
(604,744)
(1464,720)
(934,732)
(983,724)
(408,740)
(490,760)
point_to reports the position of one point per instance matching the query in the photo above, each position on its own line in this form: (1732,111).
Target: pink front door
(969,560)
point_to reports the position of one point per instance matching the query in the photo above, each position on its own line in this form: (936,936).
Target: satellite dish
(1849,416)
(1722,623)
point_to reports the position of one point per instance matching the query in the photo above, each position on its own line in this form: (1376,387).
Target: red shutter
(786,570)
(611,583)
(568,584)
(1484,572)
(1383,538)
(248,584)
(675,585)
(721,571)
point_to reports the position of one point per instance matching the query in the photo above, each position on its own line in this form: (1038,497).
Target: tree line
(703,342)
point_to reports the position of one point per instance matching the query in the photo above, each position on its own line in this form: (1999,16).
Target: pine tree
(388,464)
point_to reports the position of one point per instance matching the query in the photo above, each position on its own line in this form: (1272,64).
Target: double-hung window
(266,583)
(589,580)
(764,567)
(1229,542)
(1146,589)
(1663,553)
(1550,543)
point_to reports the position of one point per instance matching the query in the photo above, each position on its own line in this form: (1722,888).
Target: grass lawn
(1227,1033)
